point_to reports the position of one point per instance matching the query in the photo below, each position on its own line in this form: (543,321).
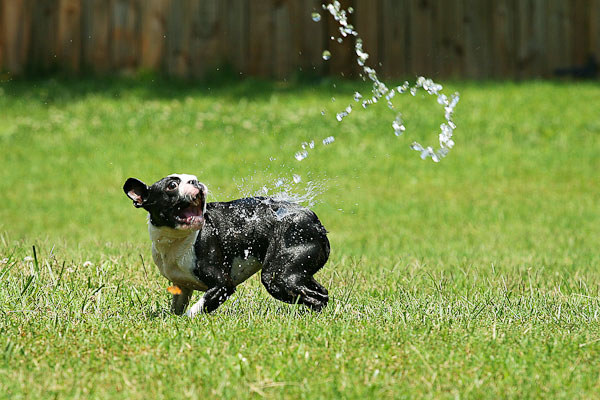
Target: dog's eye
(172,185)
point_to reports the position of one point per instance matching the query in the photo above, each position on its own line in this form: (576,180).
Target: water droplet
(350,10)
(416,146)
(328,140)
(301,155)
(297,178)
(316,16)
(326,55)
(322,112)
(398,126)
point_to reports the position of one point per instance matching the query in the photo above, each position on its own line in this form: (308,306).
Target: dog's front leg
(181,301)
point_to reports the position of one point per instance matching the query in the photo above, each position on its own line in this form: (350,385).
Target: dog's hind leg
(288,275)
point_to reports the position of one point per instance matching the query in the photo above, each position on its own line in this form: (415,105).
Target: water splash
(381,91)
(282,188)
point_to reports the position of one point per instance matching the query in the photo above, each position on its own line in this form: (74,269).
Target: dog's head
(177,201)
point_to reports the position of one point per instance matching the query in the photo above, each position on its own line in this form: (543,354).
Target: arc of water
(381,91)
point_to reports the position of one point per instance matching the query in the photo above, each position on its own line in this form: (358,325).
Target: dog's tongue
(190,212)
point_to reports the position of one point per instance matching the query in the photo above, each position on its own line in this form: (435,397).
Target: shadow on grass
(59,89)
(225,84)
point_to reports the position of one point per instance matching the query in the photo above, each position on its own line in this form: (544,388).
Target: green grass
(477,277)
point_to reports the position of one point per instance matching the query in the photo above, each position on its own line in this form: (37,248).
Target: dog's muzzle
(191,216)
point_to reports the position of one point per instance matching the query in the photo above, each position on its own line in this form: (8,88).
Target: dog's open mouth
(192,215)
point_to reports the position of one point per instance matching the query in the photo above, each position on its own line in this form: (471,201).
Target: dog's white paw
(195,309)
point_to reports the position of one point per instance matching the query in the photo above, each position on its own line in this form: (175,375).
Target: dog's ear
(136,190)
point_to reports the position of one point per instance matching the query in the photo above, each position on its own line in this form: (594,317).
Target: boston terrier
(213,247)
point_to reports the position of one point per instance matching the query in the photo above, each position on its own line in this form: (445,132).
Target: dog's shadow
(263,309)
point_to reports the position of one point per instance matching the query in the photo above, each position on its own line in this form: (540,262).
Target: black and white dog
(213,247)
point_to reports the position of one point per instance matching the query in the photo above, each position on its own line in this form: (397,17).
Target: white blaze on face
(187,189)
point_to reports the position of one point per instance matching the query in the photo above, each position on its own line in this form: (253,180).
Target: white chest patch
(244,268)
(173,253)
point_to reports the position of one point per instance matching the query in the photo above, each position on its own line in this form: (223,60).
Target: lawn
(475,277)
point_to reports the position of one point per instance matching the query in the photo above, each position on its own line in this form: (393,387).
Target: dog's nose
(198,185)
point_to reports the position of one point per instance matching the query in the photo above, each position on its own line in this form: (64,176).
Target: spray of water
(380,91)
(289,189)
(282,188)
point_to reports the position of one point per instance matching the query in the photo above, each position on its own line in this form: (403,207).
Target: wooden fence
(278,38)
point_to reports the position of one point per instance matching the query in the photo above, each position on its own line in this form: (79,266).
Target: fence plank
(581,27)
(343,59)
(368,25)
(18,34)
(395,55)
(69,35)
(525,51)
(298,18)
(451,37)
(421,37)
(566,25)
(503,38)
(530,43)
(95,34)
(205,46)
(124,34)
(153,33)
(260,38)
(478,35)
(2,37)
(44,27)
(234,14)
(436,38)
(539,22)
(284,56)
(555,37)
(594,20)
(177,40)
(312,36)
